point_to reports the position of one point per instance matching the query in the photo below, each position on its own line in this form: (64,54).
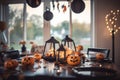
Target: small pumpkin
(73,60)
(78,53)
(37,56)
(79,48)
(100,56)
(68,51)
(50,53)
(11,64)
(27,61)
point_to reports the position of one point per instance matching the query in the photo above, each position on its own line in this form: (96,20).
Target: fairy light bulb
(118,11)
(111,21)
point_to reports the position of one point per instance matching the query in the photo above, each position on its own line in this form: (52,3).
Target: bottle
(23,48)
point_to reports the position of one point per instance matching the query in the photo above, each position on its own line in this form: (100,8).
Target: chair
(91,52)
(13,54)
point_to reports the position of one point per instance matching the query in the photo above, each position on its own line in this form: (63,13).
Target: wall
(103,38)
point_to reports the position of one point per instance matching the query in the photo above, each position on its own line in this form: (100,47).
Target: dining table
(46,70)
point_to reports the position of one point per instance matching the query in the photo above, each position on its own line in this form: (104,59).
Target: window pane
(81,26)
(80,23)
(15,23)
(35,24)
(60,21)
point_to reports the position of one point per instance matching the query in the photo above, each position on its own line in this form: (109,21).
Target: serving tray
(94,72)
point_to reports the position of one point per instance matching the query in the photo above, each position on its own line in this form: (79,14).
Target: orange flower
(31,42)
(22,42)
(79,48)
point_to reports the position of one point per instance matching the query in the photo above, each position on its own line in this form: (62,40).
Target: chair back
(98,50)
(13,54)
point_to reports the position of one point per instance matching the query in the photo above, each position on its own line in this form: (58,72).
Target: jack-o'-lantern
(37,56)
(27,61)
(73,60)
(100,56)
(11,64)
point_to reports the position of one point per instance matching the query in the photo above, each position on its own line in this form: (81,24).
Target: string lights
(113,25)
(113,21)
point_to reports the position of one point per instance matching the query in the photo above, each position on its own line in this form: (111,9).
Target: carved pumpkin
(100,56)
(73,60)
(27,61)
(37,56)
(11,64)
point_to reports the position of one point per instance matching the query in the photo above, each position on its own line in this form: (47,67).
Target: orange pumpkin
(50,53)
(11,64)
(100,56)
(73,60)
(27,61)
(79,48)
(69,51)
(37,56)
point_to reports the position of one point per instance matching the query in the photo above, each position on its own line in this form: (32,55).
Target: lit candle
(58,72)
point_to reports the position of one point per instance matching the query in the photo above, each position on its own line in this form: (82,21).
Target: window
(31,30)
(60,21)
(30,27)
(80,23)
(15,23)
(34,24)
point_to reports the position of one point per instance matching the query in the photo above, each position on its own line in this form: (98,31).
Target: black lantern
(68,42)
(61,55)
(49,52)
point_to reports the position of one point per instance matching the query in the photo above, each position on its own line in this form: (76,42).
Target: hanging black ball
(48,15)
(33,3)
(77,6)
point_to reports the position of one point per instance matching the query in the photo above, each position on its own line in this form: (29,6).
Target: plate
(94,72)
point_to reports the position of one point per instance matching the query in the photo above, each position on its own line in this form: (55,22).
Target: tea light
(58,72)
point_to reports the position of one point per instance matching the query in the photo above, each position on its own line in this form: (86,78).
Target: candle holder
(61,56)
(49,52)
(68,42)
